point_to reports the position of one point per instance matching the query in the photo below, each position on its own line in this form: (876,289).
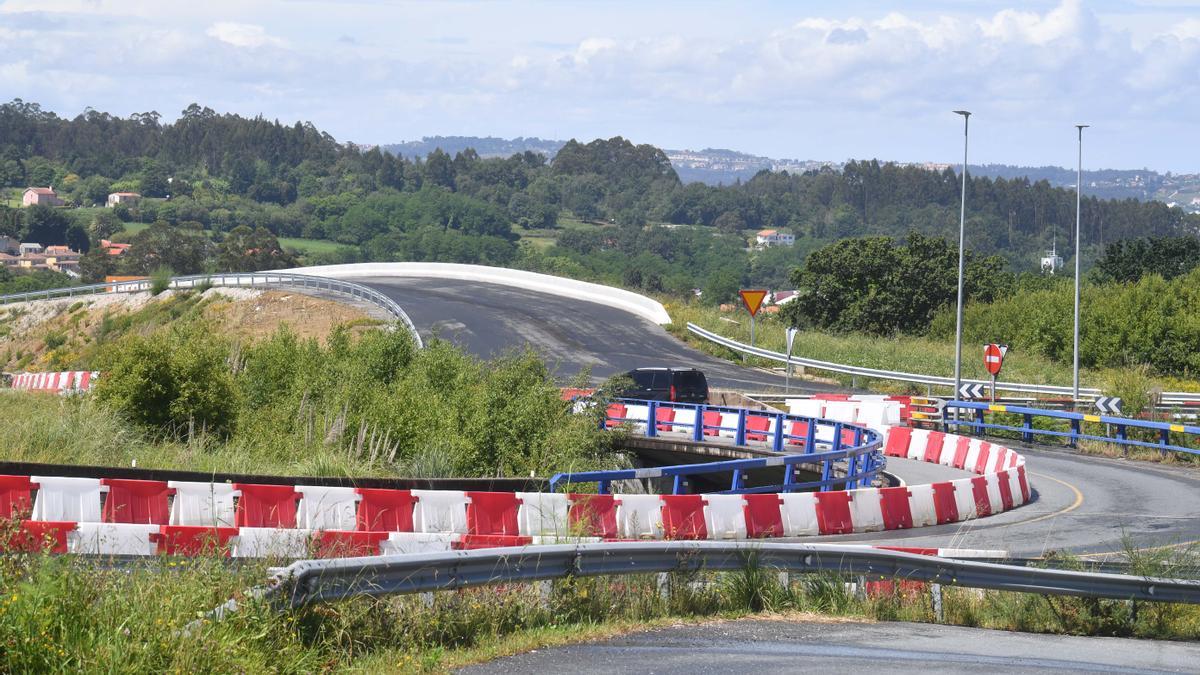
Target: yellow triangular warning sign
(753,299)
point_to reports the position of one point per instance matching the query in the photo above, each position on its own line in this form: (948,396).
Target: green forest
(221,191)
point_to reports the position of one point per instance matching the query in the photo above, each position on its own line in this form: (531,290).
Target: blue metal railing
(1116,429)
(856,446)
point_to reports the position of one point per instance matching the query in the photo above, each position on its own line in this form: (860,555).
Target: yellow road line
(1074,505)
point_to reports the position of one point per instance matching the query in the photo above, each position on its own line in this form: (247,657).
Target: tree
(1128,260)
(730,223)
(247,250)
(874,285)
(46,226)
(105,224)
(96,265)
(77,238)
(154,180)
(184,251)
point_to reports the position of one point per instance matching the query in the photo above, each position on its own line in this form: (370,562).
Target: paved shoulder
(775,646)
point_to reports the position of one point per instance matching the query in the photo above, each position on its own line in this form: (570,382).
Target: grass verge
(68,614)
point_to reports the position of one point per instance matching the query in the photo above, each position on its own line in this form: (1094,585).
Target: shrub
(160,280)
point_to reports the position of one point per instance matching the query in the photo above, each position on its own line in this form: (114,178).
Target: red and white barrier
(61,382)
(134,517)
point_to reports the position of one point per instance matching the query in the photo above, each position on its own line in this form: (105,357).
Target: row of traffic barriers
(1071,426)
(849,455)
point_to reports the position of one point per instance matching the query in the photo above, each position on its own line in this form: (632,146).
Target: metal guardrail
(245,280)
(1116,428)
(863,456)
(1168,398)
(311,581)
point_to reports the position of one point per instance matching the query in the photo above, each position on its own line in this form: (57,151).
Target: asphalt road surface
(779,646)
(489,320)
(1083,504)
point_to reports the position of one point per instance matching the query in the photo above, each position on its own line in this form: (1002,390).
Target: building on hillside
(113,247)
(32,261)
(767,238)
(29,247)
(9,245)
(63,259)
(36,196)
(9,260)
(783,297)
(127,198)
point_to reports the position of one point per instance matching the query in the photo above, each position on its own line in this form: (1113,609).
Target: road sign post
(787,378)
(753,299)
(993,360)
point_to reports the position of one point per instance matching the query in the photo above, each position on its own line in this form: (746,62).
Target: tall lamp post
(962,226)
(1078,200)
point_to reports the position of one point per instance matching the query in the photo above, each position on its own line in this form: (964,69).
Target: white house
(129,198)
(774,238)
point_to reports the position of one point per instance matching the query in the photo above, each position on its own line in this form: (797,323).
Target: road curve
(489,319)
(1081,503)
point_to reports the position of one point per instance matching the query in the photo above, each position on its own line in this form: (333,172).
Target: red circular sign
(993,358)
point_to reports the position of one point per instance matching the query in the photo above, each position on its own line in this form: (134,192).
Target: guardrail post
(777,441)
(1121,435)
(652,419)
(827,465)
(698,423)
(810,437)
(739,479)
(602,487)
(1164,439)
(1075,431)
(1027,433)
(979,421)
(677,485)
(740,435)
(789,476)
(851,466)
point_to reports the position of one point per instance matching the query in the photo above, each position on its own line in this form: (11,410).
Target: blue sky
(833,81)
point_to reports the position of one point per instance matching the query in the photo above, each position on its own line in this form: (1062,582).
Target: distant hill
(489,146)
(718,166)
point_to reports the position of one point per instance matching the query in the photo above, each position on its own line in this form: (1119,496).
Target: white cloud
(242,35)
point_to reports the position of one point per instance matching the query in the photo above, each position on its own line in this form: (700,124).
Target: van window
(690,380)
(643,379)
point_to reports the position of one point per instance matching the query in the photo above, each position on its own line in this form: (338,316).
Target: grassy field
(901,353)
(67,614)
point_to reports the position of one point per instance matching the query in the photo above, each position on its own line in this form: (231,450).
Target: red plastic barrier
(981,460)
(347,543)
(14,497)
(136,501)
(756,427)
(933,449)
(712,420)
(593,515)
(763,518)
(1006,498)
(833,513)
(800,431)
(897,513)
(960,452)
(664,417)
(983,503)
(617,410)
(492,513)
(266,505)
(1024,484)
(832,397)
(193,540)
(34,536)
(683,517)
(382,510)
(944,506)
(898,439)
(470,542)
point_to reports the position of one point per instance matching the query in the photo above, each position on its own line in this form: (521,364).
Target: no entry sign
(993,357)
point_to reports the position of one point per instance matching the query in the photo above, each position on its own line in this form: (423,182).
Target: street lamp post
(962,223)
(1078,203)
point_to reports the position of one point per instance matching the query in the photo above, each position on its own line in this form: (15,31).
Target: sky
(802,80)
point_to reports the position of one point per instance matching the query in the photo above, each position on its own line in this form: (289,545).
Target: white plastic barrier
(639,516)
(113,539)
(327,508)
(202,504)
(271,542)
(866,512)
(725,516)
(417,542)
(440,511)
(799,514)
(67,499)
(543,514)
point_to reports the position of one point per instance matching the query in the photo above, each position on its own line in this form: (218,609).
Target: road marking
(1074,505)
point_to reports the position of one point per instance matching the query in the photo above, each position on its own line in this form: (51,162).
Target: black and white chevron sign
(969,391)
(1109,405)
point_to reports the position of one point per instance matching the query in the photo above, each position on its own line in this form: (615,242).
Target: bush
(160,280)
(171,380)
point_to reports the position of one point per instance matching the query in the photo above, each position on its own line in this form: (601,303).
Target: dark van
(679,385)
